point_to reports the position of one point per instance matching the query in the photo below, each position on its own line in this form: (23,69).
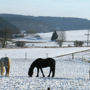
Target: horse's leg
(42,72)
(49,72)
(2,70)
(53,71)
(7,71)
(37,72)
(7,67)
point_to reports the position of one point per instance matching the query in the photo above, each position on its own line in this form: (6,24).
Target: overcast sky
(59,8)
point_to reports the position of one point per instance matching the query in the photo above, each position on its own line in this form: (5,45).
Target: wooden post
(47,55)
(25,56)
(82,58)
(89,73)
(72,55)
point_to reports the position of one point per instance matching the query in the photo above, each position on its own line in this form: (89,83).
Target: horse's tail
(9,61)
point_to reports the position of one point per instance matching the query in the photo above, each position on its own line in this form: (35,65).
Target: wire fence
(76,55)
(28,56)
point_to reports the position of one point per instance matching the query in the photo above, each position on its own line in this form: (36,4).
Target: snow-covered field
(70,74)
(45,39)
(33,53)
(71,35)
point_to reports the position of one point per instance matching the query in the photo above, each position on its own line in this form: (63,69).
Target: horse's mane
(32,66)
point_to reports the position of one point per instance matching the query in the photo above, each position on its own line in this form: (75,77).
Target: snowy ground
(70,74)
(71,35)
(34,53)
(45,39)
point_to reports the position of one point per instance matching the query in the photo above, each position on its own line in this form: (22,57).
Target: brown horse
(42,63)
(5,62)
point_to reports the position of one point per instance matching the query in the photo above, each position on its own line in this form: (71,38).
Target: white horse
(5,62)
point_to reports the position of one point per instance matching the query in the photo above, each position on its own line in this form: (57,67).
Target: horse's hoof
(48,76)
(52,76)
(36,76)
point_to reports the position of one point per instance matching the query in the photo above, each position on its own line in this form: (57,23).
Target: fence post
(72,55)
(82,58)
(47,55)
(25,56)
(89,73)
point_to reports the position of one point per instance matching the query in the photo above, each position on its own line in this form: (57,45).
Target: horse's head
(30,72)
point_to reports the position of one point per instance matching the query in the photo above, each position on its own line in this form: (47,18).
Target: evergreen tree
(54,36)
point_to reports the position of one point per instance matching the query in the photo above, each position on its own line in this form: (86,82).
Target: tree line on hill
(7,26)
(46,24)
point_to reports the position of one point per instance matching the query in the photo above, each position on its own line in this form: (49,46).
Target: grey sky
(59,8)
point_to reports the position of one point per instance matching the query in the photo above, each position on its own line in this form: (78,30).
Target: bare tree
(5,35)
(61,38)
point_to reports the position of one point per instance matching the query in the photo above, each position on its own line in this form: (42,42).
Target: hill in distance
(5,25)
(46,24)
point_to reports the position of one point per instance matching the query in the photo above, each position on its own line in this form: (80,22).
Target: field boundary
(72,54)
